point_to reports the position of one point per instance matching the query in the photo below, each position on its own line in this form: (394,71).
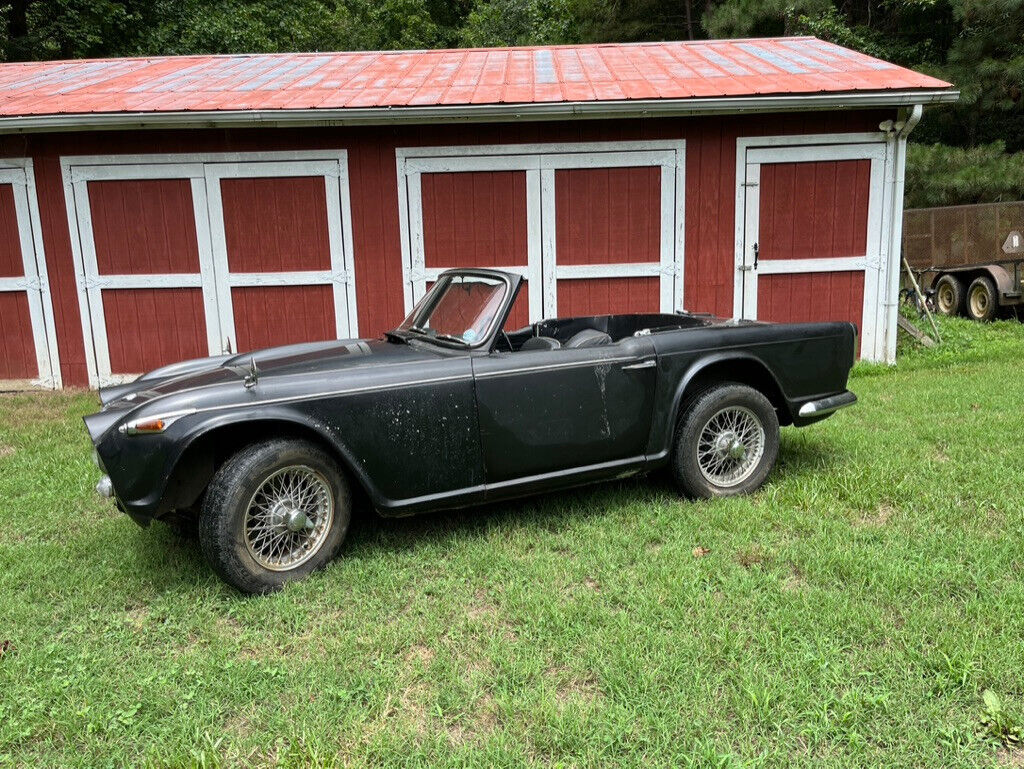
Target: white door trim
(20,174)
(539,162)
(339,233)
(751,152)
(204,171)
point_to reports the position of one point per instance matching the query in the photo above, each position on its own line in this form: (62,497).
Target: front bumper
(822,407)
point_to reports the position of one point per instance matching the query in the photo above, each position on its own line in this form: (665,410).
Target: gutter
(900,133)
(475,113)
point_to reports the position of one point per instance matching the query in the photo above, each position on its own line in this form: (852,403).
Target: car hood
(310,359)
(220,380)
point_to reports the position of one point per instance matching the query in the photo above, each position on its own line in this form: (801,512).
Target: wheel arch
(997,273)
(210,445)
(743,368)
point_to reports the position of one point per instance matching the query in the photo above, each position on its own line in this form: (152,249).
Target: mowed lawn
(852,613)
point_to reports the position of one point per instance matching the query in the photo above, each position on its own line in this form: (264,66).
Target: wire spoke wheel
(730,446)
(288,517)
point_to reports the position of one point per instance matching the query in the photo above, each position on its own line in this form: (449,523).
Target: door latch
(756,252)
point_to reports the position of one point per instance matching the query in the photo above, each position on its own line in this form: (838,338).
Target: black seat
(541,343)
(588,337)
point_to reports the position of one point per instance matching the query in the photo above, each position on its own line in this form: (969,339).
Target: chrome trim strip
(551,366)
(642,364)
(333,393)
(627,463)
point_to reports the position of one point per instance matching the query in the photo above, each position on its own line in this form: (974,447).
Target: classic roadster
(262,452)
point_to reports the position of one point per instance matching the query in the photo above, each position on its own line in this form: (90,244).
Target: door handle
(649,363)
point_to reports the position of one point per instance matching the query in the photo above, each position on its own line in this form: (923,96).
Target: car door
(564,410)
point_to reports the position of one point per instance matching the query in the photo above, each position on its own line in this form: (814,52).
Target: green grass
(852,613)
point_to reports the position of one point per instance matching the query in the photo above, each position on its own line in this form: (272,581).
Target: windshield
(458,308)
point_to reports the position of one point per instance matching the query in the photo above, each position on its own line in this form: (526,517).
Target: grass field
(858,611)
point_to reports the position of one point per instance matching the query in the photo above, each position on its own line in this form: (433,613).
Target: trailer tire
(949,295)
(982,301)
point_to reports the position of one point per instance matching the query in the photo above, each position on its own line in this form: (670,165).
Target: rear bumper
(819,408)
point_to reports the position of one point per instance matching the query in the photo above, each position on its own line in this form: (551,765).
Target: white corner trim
(20,174)
(751,152)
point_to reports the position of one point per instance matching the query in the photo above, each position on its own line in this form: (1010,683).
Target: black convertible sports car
(261,451)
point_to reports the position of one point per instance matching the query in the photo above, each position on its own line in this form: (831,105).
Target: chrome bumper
(823,406)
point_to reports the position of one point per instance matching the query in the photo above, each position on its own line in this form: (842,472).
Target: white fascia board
(628,108)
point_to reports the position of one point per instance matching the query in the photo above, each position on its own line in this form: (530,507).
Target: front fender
(153,474)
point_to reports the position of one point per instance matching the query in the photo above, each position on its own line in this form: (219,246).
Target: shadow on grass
(167,563)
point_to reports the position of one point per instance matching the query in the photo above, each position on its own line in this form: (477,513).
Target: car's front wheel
(274,512)
(726,442)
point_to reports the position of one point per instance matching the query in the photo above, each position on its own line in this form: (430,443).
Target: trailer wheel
(981,299)
(949,295)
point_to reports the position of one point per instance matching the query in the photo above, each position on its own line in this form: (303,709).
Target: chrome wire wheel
(730,446)
(288,518)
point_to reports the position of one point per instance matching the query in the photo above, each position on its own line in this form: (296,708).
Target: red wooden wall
(709,205)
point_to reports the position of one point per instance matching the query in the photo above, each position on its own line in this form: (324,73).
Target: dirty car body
(421,420)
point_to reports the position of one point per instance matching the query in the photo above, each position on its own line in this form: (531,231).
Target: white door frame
(204,171)
(34,281)
(339,233)
(540,162)
(751,153)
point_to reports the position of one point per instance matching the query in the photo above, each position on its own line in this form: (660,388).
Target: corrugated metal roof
(528,76)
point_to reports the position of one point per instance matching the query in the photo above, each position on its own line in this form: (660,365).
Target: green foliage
(938,175)
(760,18)
(998,722)
(518,22)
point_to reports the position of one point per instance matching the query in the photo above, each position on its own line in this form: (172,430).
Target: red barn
(163,208)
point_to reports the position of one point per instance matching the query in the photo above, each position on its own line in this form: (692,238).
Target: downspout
(901,130)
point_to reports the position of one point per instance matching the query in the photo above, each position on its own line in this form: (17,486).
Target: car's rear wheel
(726,442)
(949,295)
(981,299)
(274,512)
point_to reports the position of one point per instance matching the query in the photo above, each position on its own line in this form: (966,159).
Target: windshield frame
(512,284)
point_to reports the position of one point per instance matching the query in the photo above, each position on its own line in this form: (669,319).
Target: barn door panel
(593,228)
(283,270)
(476,212)
(146,267)
(812,236)
(609,233)
(27,348)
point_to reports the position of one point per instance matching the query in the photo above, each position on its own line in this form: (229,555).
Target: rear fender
(748,363)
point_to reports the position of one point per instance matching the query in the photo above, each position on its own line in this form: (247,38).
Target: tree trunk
(17,30)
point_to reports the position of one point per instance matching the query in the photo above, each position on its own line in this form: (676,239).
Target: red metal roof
(547,75)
